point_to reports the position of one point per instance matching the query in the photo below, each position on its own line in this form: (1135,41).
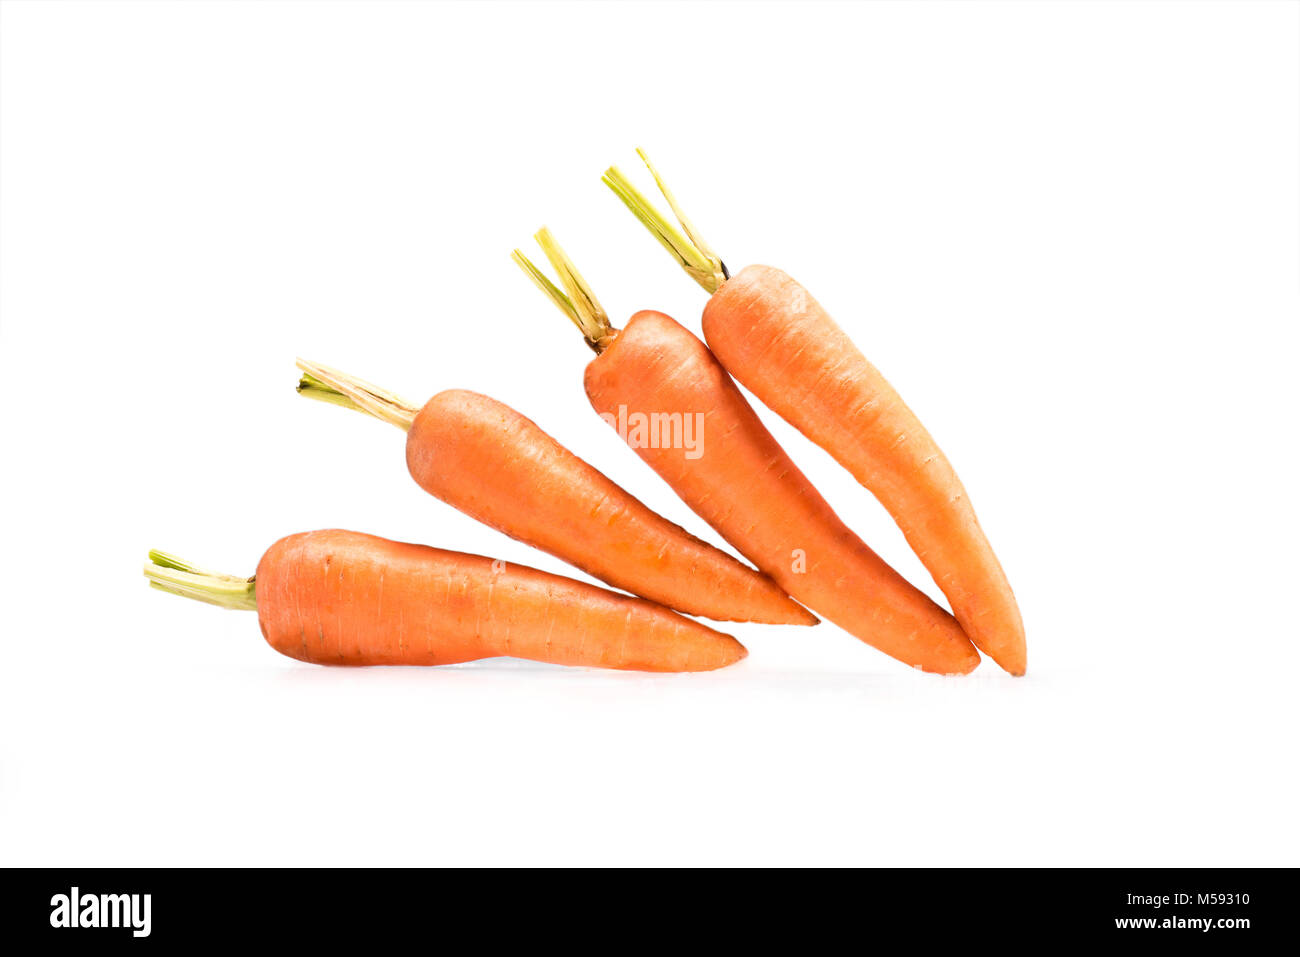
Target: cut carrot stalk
(170,574)
(343,598)
(775,338)
(497,466)
(743,484)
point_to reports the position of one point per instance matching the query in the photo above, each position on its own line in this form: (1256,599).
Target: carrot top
(686,245)
(177,577)
(329,385)
(577,300)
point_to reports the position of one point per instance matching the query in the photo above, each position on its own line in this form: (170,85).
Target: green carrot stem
(312,388)
(577,300)
(329,385)
(548,288)
(177,577)
(686,245)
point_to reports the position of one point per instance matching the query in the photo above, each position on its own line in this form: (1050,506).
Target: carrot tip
(740,653)
(799,616)
(1011,660)
(968,663)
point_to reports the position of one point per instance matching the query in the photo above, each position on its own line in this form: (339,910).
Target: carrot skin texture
(786,349)
(345,598)
(746,487)
(501,468)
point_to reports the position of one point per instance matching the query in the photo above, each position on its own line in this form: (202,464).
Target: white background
(1068,233)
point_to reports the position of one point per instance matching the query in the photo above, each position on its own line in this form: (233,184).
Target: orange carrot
(343,598)
(742,482)
(774,337)
(485,459)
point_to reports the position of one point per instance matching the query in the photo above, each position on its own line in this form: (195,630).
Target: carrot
(485,459)
(343,598)
(774,337)
(742,483)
